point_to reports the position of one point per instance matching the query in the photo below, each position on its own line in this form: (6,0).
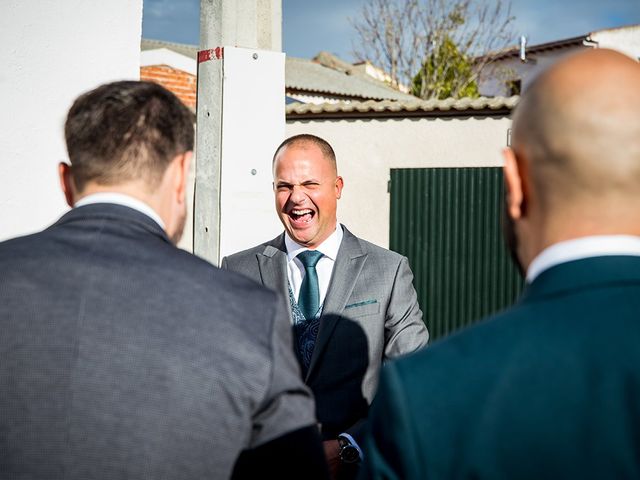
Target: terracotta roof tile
(399,108)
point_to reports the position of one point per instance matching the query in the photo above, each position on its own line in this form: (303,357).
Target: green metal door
(447,222)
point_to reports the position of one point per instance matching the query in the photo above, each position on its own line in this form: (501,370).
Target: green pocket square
(359,304)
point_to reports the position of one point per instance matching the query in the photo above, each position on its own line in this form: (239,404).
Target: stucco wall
(367,150)
(51,52)
(493,81)
(624,39)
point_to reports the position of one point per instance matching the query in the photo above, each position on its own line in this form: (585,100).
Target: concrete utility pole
(227,25)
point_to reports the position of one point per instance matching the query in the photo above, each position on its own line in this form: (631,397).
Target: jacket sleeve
(390,449)
(405,330)
(290,456)
(285,435)
(288,403)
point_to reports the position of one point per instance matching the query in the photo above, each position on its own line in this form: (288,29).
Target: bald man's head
(574,166)
(578,126)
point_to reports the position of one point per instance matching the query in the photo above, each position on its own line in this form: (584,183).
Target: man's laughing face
(307,190)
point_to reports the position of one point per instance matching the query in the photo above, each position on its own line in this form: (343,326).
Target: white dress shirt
(594,246)
(329,248)
(121,199)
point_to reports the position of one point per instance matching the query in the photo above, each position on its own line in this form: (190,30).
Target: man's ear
(183,163)
(65,175)
(339,185)
(513,180)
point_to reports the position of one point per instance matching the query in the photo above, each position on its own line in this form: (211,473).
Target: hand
(332,454)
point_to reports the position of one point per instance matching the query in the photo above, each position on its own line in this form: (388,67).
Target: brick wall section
(181,83)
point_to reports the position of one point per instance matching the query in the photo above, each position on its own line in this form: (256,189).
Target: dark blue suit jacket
(124,357)
(548,389)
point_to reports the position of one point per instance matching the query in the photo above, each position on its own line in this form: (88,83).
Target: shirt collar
(594,246)
(121,199)
(329,248)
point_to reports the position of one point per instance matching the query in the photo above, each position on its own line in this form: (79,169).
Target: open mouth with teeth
(301,217)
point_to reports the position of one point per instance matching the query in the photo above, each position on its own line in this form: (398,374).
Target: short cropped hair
(307,138)
(125,131)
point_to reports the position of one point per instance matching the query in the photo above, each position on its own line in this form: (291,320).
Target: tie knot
(310,258)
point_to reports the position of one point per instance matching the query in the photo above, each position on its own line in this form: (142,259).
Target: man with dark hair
(549,388)
(123,356)
(351,304)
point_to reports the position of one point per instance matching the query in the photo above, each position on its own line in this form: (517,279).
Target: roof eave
(297,90)
(402,114)
(542,47)
(374,110)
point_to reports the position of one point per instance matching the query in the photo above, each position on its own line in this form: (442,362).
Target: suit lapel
(346,271)
(272,263)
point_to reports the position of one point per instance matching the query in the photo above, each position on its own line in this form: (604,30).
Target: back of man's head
(574,166)
(578,127)
(126,131)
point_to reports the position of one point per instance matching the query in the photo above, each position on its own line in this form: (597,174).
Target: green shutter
(447,222)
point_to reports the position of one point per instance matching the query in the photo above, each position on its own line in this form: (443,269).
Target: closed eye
(283,186)
(309,184)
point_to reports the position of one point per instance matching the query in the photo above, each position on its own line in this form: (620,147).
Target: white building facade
(53,52)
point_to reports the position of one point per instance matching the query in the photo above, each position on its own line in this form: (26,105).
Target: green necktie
(309,298)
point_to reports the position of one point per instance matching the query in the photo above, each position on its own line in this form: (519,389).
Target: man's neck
(136,191)
(119,198)
(328,246)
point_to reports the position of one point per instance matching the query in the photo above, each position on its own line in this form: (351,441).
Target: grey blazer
(370,313)
(124,357)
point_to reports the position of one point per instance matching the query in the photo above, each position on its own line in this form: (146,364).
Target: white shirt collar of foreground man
(593,246)
(121,199)
(329,248)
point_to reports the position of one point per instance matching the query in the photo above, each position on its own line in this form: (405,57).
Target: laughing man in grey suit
(352,304)
(122,356)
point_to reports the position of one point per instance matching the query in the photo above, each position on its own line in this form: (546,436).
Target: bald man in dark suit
(551,387)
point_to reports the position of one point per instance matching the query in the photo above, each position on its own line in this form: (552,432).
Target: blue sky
(310,26)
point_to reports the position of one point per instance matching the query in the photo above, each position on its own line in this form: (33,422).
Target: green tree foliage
(446,73)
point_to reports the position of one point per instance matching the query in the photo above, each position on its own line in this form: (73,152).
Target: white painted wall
(51,52)
(492,83)
(623,39)
(494,77)
(367,150)
(252,128)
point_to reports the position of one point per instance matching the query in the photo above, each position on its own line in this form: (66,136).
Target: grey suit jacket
(370,313)
(124,357)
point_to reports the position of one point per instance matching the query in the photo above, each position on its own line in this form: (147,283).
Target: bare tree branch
(441,44)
